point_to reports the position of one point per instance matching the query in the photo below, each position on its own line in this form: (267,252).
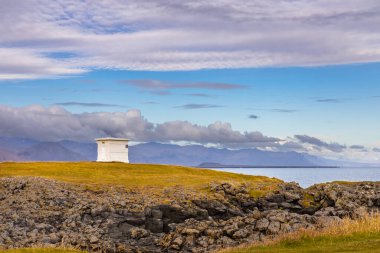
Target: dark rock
(291,197)
(276,198)
(274,227)
(262,224)
(38,211)
(154,225)
(376,200)
(213,207)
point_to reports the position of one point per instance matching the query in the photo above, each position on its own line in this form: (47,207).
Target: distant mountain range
(17,149)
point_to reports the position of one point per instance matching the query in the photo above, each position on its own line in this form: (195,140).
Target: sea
(309,176)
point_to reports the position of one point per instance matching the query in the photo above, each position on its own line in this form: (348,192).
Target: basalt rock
(35,211)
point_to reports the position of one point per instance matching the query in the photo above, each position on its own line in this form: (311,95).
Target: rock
(190,231)
(213,233)
(155,225)
(135,219)
(262,224)
(274,227)
(137,233)
(276,198)
(177,243)
(325,221)
(376,200)
(291,197)
(93,239)
(213,207)
(54,238)
(124,227)
(256,214)
(278,216)
(242,233)
(231,229)
(227,242)
(51,213)
(285,228)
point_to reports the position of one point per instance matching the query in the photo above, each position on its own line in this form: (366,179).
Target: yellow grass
(362,235)
(131,175)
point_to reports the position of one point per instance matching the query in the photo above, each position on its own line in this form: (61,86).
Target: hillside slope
(145,208)
(49,151)
(127,175)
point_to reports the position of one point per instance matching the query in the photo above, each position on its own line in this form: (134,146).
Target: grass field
(131,175)
(350,236)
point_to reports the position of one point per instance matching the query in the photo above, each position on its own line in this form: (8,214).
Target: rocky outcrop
(35,211)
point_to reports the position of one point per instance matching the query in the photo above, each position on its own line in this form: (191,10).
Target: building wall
(113,151)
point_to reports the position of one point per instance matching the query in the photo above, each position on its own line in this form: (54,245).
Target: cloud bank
(55,123)
(69,37)
(335,147)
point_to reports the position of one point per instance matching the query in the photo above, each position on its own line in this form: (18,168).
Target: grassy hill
(132,176)
(351,236)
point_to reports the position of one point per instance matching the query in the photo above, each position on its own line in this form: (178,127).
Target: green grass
(350,236)
(364,243)
(131,176)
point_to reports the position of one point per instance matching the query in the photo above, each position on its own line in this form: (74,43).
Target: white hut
(112,150)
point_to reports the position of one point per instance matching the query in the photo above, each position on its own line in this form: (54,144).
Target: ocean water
(309,176)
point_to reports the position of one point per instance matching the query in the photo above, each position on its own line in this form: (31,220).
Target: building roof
(111,139)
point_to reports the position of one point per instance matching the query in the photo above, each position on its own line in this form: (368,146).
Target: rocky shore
(35,211)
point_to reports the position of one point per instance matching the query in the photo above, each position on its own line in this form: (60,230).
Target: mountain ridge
(18,149)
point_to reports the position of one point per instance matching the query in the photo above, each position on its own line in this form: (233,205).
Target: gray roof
(111,139)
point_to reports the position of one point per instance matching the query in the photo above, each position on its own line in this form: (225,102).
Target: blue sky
(245,73)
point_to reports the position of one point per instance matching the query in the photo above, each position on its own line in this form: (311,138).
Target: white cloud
(55,123)
(27,64)
(184,35)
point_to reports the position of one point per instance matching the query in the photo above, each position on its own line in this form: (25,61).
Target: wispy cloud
(199,95)
(151,103)
(197,106)
(83,104)
(144,35)
(328,100)
(161,92)
(357,147)
(283,110)
(87,81)
(150,84)
(376,150)
(277,110)
(335,147)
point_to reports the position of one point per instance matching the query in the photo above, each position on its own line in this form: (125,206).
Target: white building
(112,150)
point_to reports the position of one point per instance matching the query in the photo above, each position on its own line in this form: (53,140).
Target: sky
(289,75)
